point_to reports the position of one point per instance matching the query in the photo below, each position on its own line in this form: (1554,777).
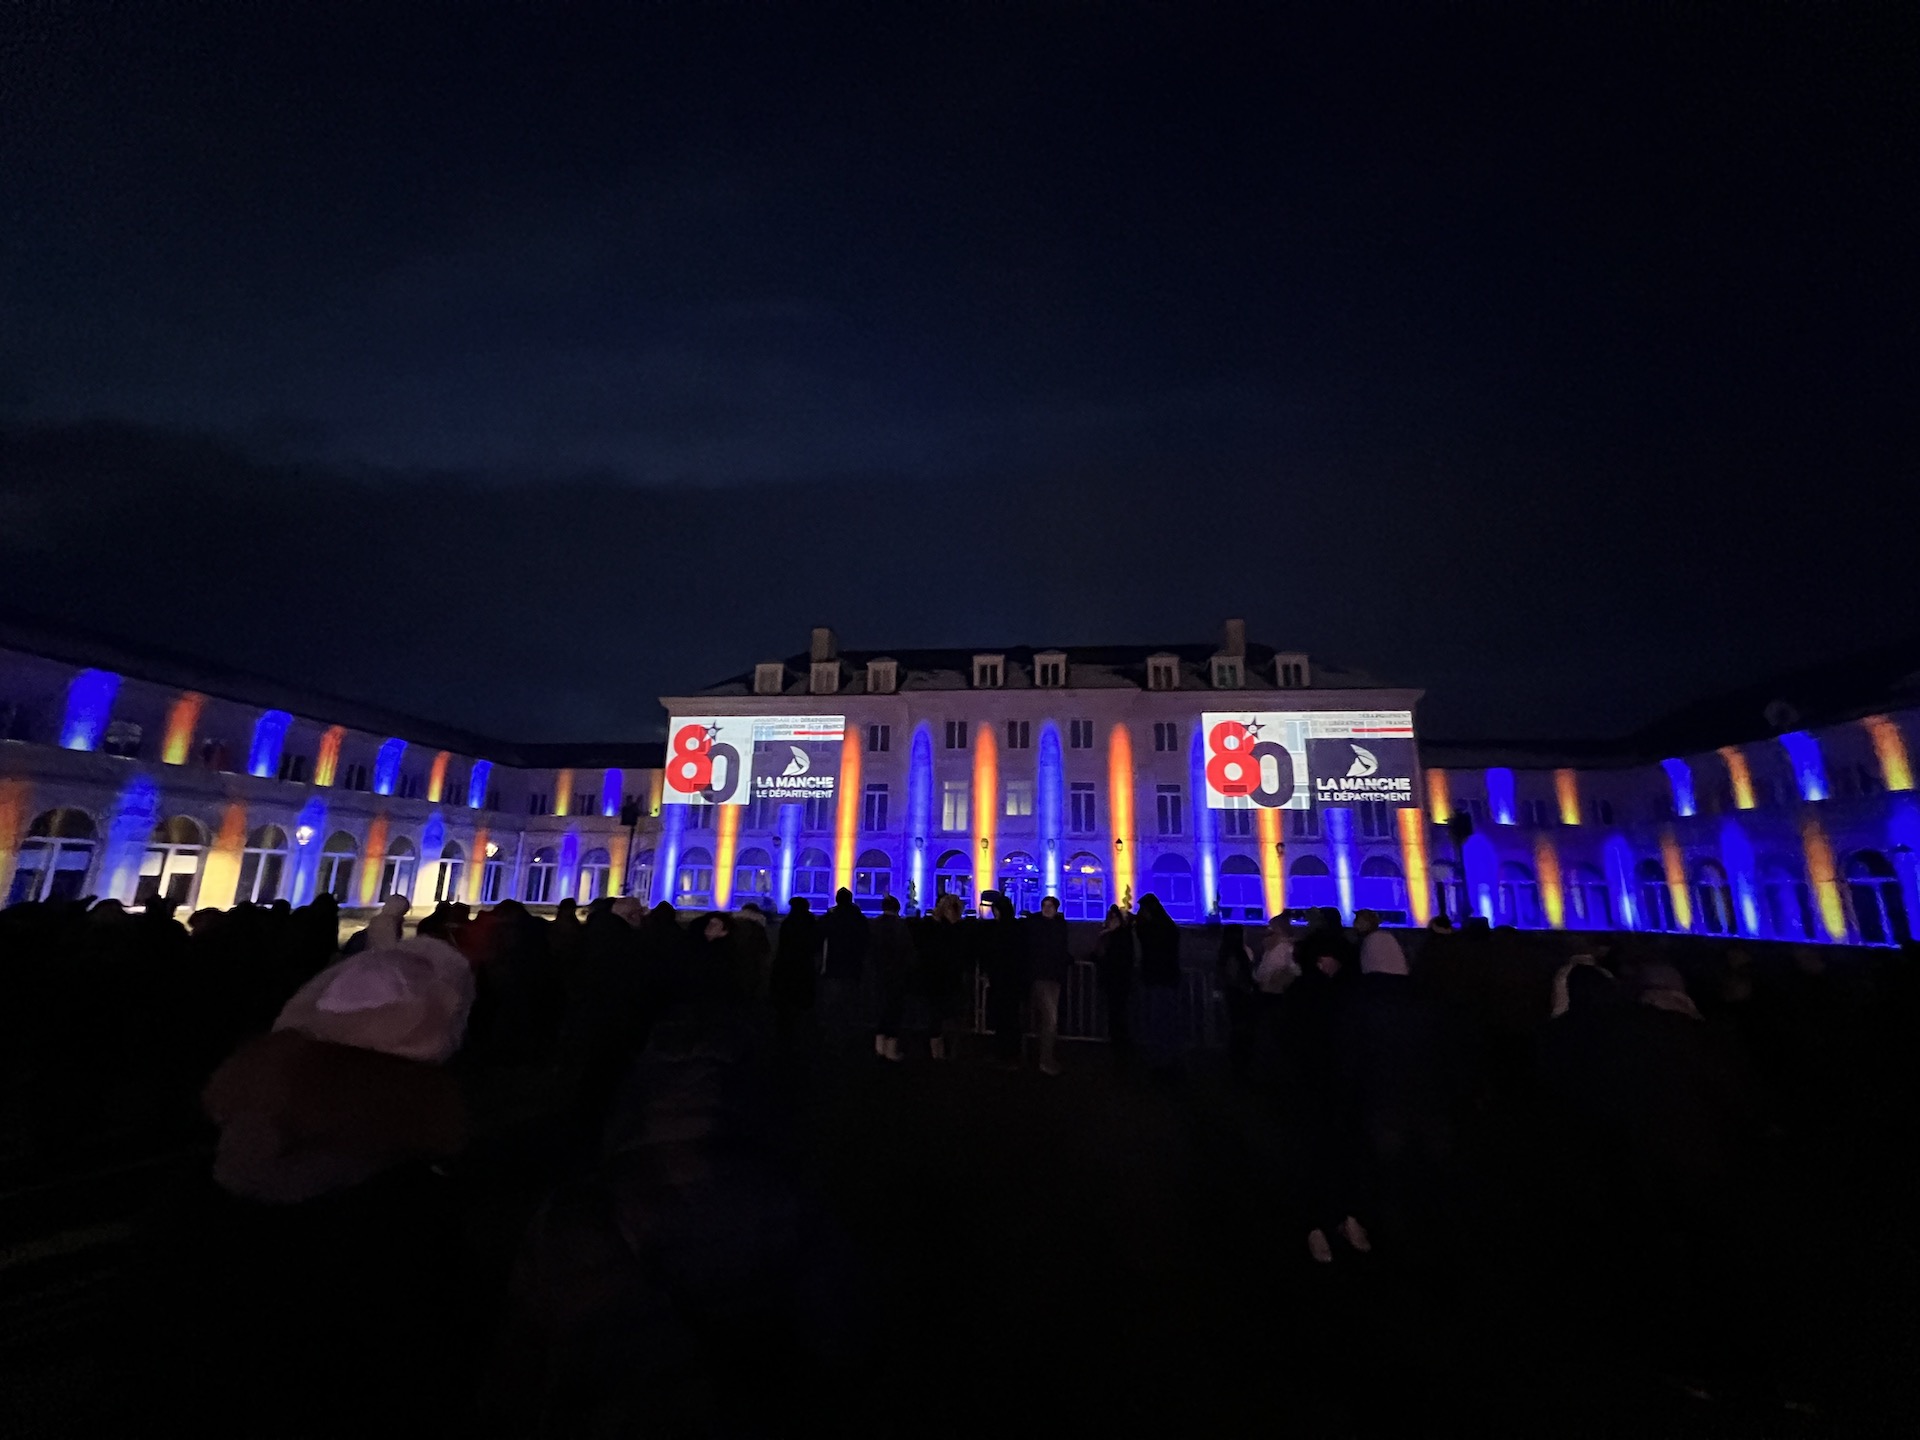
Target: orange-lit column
(220,876)
(986,808)
(846,811)
(1676,867)
(374,861)
(656,790)
(1566,790)
(1553,894)
(1120,807)
(1413,860)
(182,720)
(1273,859)
(1890,748)
(1739,777)
(563,793)
(726,841)
(617,864)
(437,777)
(326,761)
(1824,877)
(16,797)
(476,866)
(1439,796)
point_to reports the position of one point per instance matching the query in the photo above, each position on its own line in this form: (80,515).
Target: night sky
(515,367)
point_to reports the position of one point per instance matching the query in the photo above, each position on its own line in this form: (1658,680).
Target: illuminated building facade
(128,776)
(1097,774)
(1080,773)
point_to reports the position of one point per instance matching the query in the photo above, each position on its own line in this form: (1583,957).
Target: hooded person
(349,1083)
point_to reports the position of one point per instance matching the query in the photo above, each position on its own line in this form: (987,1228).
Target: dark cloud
(1557,358)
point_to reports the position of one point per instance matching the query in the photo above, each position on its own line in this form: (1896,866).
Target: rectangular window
(986,672)
(761,811)
(1166,735)
(700,817)
(1080,734)
(1236,824)
(1163,674)
(873,815)
(953,806)
(819,813)
(1080,808)
(879,738)
(1306,825)
(1019,734)
(1376,821)
(585,802)
(1019,797)
(1053,673)
(1166,804)
(956,734)
(1226,674)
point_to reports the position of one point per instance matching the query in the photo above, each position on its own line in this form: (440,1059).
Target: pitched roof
(1089,667)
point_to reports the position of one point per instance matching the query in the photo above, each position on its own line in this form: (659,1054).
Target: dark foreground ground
(1084,1255)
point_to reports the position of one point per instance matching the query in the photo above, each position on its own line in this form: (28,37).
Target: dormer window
(883,677)
(1050,670)
(1226,672)
(770,678)
(1163,672)
(825,679)
(989,671)
(1290,672)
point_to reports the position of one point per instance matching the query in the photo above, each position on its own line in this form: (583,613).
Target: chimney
(1234,642)
(825,647)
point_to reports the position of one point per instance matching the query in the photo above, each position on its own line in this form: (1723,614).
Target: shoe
(1318,1247)
(891,1051)
(1355,1235)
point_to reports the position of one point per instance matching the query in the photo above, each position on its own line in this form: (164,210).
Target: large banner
(731,759)
(1296,759)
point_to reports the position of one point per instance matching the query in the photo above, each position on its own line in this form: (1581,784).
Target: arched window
(596,866)
(396,871)
(1085,885)
(1656,901)
(753,878)
(953,875)
(262,866)
(1241,895)
(1789,900)
(813,878)
(1171,878)
(1019,880)
(872,879)
(1381,887)
(493,875)
(336,866)
(54,858)
(1589,906)
(1310,884)
(696,880)
(540,872)
(1713,898)
(1520,896)
(1879,911)
(641,883)
(446,878)
(172,861)
(1449,891)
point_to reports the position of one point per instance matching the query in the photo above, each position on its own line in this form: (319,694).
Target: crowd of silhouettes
(631,1070)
